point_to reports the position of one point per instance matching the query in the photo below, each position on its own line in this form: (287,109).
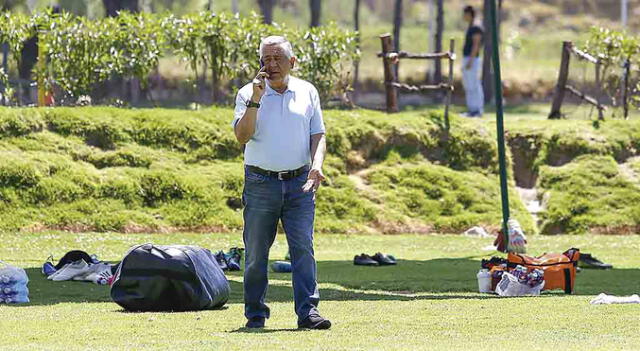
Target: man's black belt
(282,175)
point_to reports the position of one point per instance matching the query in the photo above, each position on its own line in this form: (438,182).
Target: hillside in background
(109,169)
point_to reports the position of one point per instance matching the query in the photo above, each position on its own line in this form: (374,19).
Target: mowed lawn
(427,301)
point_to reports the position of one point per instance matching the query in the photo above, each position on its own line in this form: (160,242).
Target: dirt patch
(628,172)
(402,228)
(524,152)
(129,229)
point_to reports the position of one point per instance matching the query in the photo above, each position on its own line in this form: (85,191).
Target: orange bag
(559,269)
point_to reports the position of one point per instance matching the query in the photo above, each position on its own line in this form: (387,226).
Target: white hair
(280,41)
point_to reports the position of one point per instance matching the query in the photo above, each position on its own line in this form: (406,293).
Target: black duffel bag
(169,278)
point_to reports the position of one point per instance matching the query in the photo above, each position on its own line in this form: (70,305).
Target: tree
(437,74)
(397,24)
(112,7)
(315,12)
(234,7)
(266,8)
(356,62)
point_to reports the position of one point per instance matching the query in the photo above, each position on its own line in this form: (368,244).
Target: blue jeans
(268,200)
(472,84)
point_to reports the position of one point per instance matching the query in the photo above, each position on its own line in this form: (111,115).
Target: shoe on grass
(589,261)
(255,322)
(364,260)
(54,274)
(71,270)
(314,321)
(384,260)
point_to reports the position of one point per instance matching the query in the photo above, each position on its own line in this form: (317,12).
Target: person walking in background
(278,118)
(471,65)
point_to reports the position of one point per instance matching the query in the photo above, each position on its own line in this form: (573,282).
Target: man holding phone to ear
(278,118)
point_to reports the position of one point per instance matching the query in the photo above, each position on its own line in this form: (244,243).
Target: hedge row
(82,53)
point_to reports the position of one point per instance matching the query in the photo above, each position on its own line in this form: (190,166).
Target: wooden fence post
(625,89)
(389,76)
(563,75)
(599,92)
(449,91)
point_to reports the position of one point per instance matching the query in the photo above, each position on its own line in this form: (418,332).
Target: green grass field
(427,301)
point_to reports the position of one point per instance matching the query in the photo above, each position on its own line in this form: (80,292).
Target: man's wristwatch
(253,104)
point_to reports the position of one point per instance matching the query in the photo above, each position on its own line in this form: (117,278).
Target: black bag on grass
(169,278)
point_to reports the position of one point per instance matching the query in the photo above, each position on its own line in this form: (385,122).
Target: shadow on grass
(265,330)
(437,279)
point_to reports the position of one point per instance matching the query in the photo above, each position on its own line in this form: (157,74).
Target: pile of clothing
(230,261)
(79,266)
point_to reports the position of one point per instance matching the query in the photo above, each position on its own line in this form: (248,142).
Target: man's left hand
(314,179)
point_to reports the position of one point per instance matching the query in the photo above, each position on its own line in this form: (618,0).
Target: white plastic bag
(13,284)
(510,286)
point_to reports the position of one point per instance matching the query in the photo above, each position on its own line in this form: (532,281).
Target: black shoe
(255,322)
(384,260)
(589,261)
(221,260)
(364,260)
(314,321)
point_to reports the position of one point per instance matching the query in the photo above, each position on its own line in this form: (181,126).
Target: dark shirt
(468,40)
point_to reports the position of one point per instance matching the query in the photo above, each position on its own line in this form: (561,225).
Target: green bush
(613,48)
(82,53)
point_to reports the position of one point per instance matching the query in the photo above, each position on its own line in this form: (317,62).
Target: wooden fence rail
(428,56)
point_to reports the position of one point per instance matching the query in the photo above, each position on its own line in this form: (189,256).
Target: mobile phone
(261,64)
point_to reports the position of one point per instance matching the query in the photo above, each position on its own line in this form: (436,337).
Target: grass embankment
(427,302)
(584,172)
(108,169)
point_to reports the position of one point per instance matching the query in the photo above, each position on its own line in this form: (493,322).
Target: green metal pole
(499,123)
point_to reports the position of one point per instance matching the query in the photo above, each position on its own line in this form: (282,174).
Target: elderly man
(278,118)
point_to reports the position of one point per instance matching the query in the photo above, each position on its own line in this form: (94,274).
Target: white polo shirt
(284,125)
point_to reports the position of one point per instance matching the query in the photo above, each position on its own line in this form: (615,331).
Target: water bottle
(281,267)
(18,298)
(7,280)
(484,281)
(16,294)
(8,290)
